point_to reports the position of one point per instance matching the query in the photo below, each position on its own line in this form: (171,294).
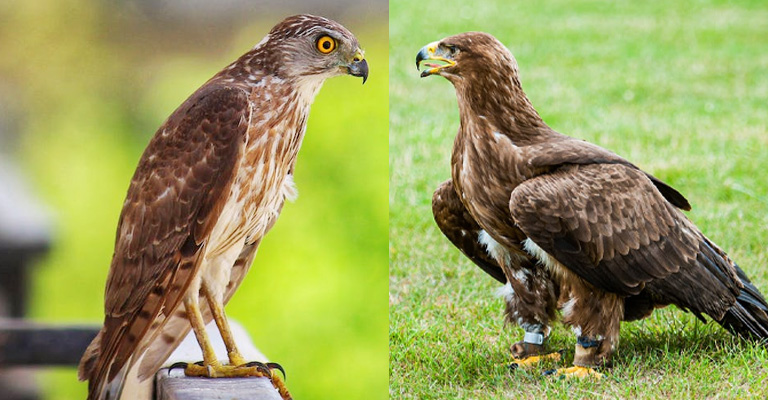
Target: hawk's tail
(98,386)
(748,317)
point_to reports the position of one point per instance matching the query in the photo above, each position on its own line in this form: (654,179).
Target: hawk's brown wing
(610,225)
(462,230)
(173,202)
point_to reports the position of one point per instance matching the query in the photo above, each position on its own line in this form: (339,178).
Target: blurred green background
(680,88)
(88,82)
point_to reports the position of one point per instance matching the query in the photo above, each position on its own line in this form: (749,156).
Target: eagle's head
(309,48)
(486,79)
(466,55)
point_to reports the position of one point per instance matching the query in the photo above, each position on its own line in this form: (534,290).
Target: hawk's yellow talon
(225,371)
(255,369)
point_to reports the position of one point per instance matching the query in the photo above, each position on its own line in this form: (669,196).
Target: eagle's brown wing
(462,230)
(551,155)
(172,204)
(610,225)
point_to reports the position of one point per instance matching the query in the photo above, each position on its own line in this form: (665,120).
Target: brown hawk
(569,225)
(209,186)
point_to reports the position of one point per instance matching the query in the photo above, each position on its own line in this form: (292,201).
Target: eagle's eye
(326,44)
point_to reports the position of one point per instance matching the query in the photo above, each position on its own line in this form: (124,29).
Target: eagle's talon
(578,372)
(528,362)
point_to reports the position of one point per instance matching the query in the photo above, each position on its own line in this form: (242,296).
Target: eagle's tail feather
(749,315)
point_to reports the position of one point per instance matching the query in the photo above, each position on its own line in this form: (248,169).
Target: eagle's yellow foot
(529,362)
(254,369)
(576,372)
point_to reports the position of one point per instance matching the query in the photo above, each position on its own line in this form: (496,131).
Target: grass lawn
(679,88)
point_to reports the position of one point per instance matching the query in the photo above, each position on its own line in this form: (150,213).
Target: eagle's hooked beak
(358,66)
(434,51)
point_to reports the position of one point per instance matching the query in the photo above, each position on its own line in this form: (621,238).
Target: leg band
(536,338)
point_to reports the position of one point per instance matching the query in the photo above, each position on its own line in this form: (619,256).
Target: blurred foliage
(94,81)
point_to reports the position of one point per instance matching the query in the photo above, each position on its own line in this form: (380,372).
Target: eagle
(210,184)
(567,225)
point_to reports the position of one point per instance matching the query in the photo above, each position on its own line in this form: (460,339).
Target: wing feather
(625,235)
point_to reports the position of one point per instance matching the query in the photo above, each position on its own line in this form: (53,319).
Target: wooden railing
(25,344)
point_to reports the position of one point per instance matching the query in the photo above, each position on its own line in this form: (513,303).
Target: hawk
(566,224)
(209,186)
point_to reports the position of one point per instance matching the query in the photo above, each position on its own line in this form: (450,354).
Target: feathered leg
(530,295)
(531,303)
(595,318)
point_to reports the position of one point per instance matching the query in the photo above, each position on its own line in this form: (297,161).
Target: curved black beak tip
(421,56)
(360,69)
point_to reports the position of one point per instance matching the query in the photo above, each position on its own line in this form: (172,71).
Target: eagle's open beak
(434,52)
(358,66)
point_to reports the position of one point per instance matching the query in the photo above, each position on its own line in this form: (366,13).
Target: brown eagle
(569,225)
(209,186)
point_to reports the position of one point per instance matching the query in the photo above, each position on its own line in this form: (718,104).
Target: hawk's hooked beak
(358,66)
(434,51)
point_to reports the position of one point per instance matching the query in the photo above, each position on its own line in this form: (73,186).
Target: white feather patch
(494,248)
(506,292)
(539,253)
(576,330)
(568,307)
(522,275)
(307,87)
(289,188)
(262,41)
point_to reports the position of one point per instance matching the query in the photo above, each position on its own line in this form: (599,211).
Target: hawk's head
(466,55)
(307,47)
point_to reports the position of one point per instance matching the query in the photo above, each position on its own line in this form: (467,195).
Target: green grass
(679,88)
(92,91)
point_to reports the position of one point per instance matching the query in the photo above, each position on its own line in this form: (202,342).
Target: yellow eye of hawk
(326,44)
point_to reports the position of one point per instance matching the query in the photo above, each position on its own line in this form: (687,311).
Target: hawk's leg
(235,358)
(198,326)
(211,367)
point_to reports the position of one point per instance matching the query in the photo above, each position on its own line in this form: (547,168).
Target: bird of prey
(209,186)
(566,224)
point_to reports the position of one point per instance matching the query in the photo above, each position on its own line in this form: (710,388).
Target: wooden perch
(176,386)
